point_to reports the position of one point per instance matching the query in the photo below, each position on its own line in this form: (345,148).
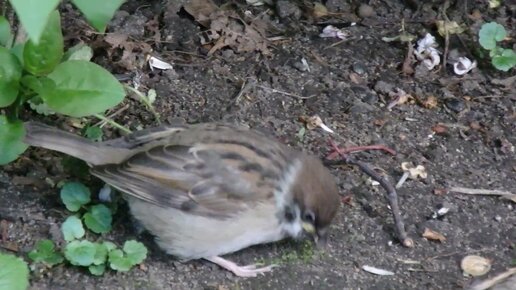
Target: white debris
(155,62)
(332,31)
(377,271)
(426,51)
(463,66)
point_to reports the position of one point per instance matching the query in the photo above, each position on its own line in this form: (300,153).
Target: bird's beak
(309,228)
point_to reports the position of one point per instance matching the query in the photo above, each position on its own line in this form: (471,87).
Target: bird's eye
(309,216)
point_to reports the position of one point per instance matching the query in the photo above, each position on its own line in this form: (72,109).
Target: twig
(110,116)
(145,100)
(392,196)
(285,93)
(488,283)
(407,63)
(446,5)
(347,150)
(475,191)
(113,123)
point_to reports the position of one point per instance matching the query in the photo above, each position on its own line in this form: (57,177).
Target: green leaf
(98,12)
(33,15)
(14,273)
(505,61)
(5,32)
(82,89)
(10,75)
(97,270)
(17,50)
(80,253)
(490,33)
(136,252)
(74,195)
(79,51)
(101,254)
(45,252)
(94,133)
(98,219)
(41,58)
(72,228)
(109,246)
(118,262)
(11,140)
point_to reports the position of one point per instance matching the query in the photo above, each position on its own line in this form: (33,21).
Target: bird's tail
(40,135)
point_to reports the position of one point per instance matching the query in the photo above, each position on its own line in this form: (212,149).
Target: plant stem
(145,100)
(113,123)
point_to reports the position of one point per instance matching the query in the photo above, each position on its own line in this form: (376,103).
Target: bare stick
(360,148)
(475,191)
(392,196)
(488,283)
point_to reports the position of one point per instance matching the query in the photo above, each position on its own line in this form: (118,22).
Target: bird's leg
(240,271)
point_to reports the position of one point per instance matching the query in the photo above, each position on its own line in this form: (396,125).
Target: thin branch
(392,196)
(113,123)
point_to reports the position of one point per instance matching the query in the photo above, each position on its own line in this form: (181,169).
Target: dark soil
(347,85)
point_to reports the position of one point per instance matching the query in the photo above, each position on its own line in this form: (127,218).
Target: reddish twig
(392,196)
(347,150)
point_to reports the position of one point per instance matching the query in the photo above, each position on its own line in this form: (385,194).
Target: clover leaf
(14,273)
(45,252)
(80,253)
(72,228)
(490,33)
(98,219)
(74,195)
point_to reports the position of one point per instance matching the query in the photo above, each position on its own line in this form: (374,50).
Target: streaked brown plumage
(209,189)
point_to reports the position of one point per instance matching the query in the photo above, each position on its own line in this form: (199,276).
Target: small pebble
(498,218)
(359,68)
(365,11)
(455,105)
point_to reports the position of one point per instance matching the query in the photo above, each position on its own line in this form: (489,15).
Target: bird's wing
(220,177)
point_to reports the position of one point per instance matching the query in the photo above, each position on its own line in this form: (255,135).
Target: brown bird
(209,189)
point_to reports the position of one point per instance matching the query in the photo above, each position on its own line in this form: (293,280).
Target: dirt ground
(461,129)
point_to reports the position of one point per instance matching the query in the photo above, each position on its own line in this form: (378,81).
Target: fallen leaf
(475,265)
(440,191)
(380,122)
(347,199)
(433,235)
(439,129)
(430,102)
(227,29)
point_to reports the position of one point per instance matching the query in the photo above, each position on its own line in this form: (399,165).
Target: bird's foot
(240,271)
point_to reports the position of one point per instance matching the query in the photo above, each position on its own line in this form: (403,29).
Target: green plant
(489,35)
(14,273)
(96,256)
(38,71)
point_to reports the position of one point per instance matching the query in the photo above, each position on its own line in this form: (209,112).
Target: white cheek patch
(284,199)
(293,228)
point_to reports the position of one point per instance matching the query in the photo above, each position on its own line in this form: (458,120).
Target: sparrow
(210,189)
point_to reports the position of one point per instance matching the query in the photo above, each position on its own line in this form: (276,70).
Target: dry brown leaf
(380,122)
(227,29)
(433,235)
(201,10)
(133,53)
(440,191)
(430,102)
(439,129)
